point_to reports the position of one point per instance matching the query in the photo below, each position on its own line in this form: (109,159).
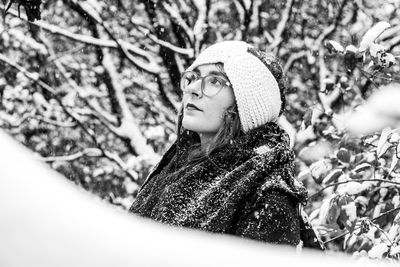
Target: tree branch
(286,13)
(353,181)
(90,152)
(47,88)
(329,30)
(374,219)
(150,67)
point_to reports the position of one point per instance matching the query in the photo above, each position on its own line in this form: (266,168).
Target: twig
(376,76)
(329,30)
(200,27)
(179,50)
(89,132)
(383,232)
(374,219)
(91,152)
(176,17)
(353,181)
(293,57)
(282,24)
(56,123)
(150,67)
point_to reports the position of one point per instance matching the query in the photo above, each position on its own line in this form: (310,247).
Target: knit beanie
(256,90)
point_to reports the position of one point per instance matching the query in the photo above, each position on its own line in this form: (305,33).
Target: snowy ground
(47,221)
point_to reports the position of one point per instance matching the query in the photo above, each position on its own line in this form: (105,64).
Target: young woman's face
(208,116)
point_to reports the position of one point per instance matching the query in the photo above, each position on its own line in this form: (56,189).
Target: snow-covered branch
(200,26)
(97,111)
(325,99)
(71,114)
(89,152)
(149,65)
(282,24)
(292,58)
(331,28)
(128,127)
(146,31)
(176,17)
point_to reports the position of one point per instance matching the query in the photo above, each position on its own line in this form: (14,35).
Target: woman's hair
(231,127)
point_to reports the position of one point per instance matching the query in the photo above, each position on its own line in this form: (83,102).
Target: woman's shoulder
(273,217)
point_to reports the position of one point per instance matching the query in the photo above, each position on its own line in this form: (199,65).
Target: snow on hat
(256,90)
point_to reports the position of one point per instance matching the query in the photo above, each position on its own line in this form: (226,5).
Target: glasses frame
(225,80)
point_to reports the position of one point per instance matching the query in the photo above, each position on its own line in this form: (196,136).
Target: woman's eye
(215,81)
(188,81)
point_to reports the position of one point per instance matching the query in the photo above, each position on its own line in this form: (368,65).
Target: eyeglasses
(211,84)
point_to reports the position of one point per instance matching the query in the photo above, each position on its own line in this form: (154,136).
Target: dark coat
(246,189)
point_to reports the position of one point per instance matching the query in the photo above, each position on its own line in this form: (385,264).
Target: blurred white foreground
(382,109)
(45,220)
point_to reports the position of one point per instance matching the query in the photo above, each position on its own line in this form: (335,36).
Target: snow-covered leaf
(395,159)
(352,188)
(394,137)
(350,210)
(332,176)
(343,155)
(352,49)
(371,35)
(362,200)
(324,209)
(333,212)
(319,169)
(396,201)
(395,250)
(378,251)
(351,57)
(396,220)
(374,49)
(130,186)
(334,47)
(383,144)
(328,84)
(348,216)
(394,231)
(93,152)
(386,60)
(361,167)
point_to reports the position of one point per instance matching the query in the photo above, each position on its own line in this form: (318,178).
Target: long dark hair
(229,130)
(231,126)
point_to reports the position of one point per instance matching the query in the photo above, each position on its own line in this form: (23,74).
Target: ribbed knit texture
(255,88)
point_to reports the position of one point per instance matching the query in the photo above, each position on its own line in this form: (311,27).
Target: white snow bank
(47,221)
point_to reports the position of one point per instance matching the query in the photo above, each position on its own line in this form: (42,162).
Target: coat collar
(268,144)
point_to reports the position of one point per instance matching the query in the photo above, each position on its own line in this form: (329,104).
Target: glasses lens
(212,84)
(188,78)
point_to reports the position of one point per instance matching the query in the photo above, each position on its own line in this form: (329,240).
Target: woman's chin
(189,124)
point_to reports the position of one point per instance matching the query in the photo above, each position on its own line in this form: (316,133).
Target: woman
(231,169)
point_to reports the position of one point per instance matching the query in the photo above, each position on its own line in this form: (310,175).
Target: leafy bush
(92,89)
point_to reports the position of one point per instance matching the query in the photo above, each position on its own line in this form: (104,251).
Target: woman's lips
(191,106)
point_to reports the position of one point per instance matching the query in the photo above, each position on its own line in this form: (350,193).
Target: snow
(30,42)
(381,110)
(76,223)
(374,49)
(378,251)
(396,201)
(373,33)
(395,250)
(336,46)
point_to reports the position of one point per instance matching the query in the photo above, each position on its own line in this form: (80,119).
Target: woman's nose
(194,88)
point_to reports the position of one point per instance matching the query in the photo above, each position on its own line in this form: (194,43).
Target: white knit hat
(256,90)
